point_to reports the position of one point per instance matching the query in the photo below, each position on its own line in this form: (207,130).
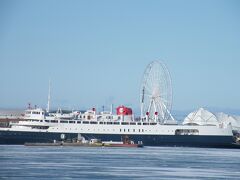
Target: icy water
(20,162)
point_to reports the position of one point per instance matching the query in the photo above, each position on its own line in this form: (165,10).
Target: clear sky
(95,52)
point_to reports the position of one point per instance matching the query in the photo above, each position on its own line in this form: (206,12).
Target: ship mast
(49,96)
(111,109)
(142,101)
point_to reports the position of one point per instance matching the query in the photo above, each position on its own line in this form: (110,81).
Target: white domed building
(226,119)
(201,117)
(205,117)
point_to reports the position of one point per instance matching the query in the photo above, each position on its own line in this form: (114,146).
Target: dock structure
(88,143)
(9,115)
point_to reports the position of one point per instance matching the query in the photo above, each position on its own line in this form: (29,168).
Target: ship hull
(21,137)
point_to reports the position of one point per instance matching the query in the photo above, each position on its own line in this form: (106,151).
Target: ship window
(40,127)
(34,120)
(133,130)
(128,130)
(139,130)
(109,122)
(124,130)
(142,130)
(79,122)
(125,123)
(63,121)
(116,123)
(72,122)
(145,123)
(186,132)
(85,122)
(54,121)
(153,123)
(93,122)
(100,122)
(46,120)
(132,123)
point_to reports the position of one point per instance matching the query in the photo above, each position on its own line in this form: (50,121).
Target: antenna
(29,106)
(142,101)
(49,96)
(111,109)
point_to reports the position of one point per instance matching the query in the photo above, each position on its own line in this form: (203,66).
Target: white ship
(155,127)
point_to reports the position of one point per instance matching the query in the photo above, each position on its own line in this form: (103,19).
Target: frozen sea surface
(20,162)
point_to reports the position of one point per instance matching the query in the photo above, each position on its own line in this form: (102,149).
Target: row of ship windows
(177,131)
(120,130)
(33,112)
(100,122)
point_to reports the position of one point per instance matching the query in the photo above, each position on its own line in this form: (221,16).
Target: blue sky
(95,52)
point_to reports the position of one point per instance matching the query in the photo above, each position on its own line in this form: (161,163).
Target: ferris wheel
(156,93)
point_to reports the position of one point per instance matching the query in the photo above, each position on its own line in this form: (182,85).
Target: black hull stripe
(18,137)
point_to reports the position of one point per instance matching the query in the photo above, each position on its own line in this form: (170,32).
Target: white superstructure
(90,122)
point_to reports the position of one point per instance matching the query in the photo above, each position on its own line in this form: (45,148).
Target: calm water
(20,162)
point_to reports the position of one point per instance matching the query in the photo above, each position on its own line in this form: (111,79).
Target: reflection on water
(20,162)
